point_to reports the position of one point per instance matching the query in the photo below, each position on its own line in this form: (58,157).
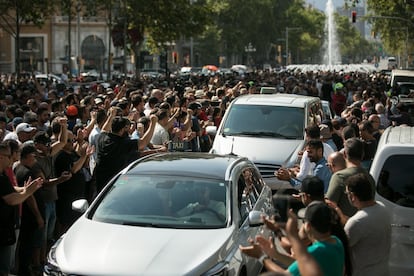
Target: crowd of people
(60,143)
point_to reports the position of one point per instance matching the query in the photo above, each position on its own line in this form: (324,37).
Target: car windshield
(265,121)
(164,202)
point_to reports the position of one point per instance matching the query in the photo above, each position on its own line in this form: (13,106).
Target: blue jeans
(50,220)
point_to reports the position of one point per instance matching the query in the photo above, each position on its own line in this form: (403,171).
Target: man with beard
(114,147)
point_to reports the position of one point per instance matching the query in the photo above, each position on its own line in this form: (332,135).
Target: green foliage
(15,12)
(393,20)
(159,21)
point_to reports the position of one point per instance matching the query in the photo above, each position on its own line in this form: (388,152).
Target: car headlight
(220,269)
(52,267)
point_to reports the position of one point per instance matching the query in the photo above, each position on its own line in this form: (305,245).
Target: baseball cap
(25,127)
(71,110)
(194,105)
(98,101)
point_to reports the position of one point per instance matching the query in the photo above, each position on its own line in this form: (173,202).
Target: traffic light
(354,15)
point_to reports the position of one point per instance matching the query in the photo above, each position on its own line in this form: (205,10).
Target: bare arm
(187,122)
(62,138)
(86,151)
(307,265)
(146,138)
(87,130)
(108,123)
(22,193)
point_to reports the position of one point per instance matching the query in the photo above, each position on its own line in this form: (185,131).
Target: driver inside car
(203,203)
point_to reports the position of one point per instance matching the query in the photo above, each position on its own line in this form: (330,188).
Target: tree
(160,21)
(393,20)
(15,12)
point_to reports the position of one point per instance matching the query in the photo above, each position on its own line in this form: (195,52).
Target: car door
(252,194)
(395,188)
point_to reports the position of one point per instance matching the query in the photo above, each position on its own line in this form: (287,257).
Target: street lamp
(249,49)
(287,41)
(78,48)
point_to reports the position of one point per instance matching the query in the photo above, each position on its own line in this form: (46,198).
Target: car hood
(260,150)
(96,248)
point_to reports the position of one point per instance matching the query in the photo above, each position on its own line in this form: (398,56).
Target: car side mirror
(211,130)
(80,205)
(255,218)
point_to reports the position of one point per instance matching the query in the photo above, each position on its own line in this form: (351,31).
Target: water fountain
(332,55)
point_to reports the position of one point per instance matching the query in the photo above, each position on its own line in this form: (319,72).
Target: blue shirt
(321,170)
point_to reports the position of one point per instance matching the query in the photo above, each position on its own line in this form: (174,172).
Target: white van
(267,129)
(392,63)
(393,171)
(401,76)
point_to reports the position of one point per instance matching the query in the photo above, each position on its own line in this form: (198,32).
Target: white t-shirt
(160,136)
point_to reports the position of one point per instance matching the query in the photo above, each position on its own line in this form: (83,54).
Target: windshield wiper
(144,224)
(260,134)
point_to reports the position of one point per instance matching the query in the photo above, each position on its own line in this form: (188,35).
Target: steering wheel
(217,214)
(289,130)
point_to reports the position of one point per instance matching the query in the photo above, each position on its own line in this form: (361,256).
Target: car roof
(399,135)
(278,99)
(398,72)
(205,165)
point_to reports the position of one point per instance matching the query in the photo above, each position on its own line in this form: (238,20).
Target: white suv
(267,129)
(393,171)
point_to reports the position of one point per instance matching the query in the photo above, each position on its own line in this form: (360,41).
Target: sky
(321,4)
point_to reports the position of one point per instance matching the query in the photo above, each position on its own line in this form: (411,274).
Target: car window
(158,201)
(249,189)
(396,181)
(265,121)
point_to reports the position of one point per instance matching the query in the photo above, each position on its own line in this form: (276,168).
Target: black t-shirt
(74,188)
(7,212)
(113,154)
(28,218)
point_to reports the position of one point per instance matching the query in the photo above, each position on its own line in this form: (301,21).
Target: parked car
(151,220)
(392,169)
(152,73)
(46,78)
(267,129)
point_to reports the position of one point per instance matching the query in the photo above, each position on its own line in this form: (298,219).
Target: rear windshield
(265,121)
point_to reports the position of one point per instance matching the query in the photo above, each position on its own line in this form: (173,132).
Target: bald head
(336,161)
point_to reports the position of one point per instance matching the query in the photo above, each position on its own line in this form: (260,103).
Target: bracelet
(262,258)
